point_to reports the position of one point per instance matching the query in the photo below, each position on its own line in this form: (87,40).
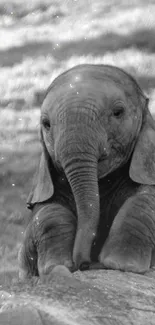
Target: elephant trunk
(81,171)
(78,149)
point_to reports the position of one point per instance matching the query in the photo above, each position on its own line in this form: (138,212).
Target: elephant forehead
(78,94)
(92,86)
(100,72)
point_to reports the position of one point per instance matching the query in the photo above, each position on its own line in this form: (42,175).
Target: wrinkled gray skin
(97,173)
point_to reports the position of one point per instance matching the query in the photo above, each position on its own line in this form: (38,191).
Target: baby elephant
(93,199)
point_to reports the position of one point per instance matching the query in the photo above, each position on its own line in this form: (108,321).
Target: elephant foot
(47,271)
(123,255)
(63,270)
(56,273)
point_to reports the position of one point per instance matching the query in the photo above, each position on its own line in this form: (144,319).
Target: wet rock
(20,315)
(100,297)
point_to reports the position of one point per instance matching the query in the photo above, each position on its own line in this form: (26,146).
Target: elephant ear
(142,167)
(43,188)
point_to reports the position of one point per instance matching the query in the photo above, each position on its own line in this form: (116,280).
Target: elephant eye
(46,124)
(118,111)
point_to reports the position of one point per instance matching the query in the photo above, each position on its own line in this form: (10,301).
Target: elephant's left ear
(42,188)
(142,167)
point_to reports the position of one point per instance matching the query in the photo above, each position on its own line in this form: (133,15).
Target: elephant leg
(27,256)
(131,239)
(56,228)
(53,232)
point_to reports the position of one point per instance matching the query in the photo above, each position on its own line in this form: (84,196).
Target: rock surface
(92,297)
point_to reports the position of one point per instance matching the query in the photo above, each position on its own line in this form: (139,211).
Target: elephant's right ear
(43,188)
(142,167)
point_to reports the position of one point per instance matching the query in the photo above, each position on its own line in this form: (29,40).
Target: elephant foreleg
(131,239)
(27,256)
(54,228)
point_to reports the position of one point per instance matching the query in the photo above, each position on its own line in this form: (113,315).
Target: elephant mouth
(104,167)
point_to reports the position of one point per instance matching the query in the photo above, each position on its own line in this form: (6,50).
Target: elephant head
(94,119)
